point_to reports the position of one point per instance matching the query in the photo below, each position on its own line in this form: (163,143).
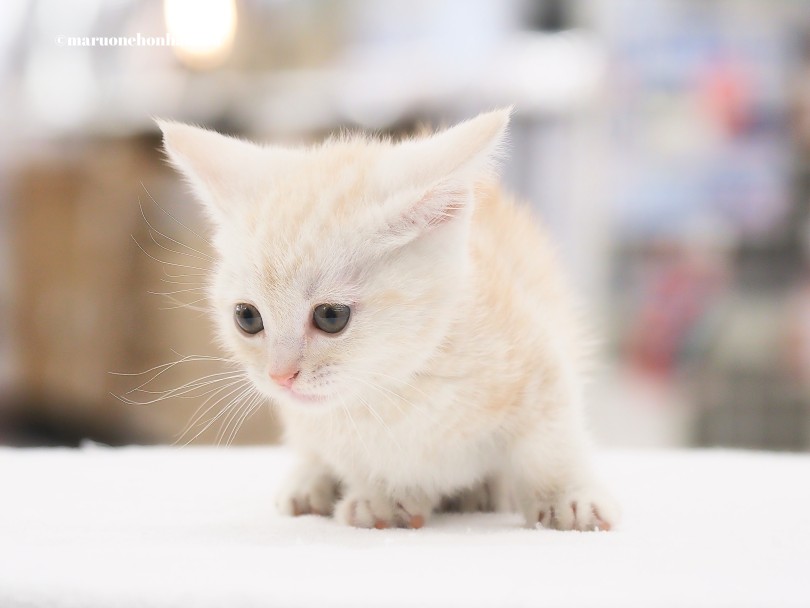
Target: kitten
(407,319)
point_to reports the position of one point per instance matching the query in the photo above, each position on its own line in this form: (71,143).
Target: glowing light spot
(204,30)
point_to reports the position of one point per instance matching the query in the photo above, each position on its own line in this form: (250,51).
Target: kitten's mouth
(303,397)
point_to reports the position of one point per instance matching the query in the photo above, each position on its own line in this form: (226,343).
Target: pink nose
(285,379)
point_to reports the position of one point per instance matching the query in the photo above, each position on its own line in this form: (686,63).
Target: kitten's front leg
(554,485)
(371,507)
(311,489)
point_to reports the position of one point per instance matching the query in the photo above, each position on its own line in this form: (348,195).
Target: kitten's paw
(373,510)
(585,508)
(308,491)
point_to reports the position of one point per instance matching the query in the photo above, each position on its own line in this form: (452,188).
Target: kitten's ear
(461,153)
(210,162)
(442,171)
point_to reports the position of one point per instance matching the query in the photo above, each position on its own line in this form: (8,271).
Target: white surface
(196,527)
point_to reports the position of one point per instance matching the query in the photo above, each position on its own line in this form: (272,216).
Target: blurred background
(665,143)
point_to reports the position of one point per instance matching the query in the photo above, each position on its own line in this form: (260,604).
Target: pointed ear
(210,162)
(439,173)
(462,153)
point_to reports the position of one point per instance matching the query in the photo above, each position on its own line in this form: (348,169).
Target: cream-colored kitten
(407,319)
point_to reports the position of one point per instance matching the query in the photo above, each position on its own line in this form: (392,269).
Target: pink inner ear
(438,206)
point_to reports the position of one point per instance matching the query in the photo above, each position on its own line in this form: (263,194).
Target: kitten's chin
(292,398)
(305,398)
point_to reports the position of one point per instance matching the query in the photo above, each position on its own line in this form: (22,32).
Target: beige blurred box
(81,306)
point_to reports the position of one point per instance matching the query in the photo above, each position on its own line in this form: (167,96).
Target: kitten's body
(460,375)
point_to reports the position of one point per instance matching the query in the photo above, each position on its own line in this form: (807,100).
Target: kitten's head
(340,266)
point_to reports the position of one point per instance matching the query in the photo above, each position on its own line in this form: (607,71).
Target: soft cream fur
(458,378)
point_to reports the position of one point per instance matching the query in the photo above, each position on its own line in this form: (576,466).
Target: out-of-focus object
(203,30)
(678,297)
(93,304)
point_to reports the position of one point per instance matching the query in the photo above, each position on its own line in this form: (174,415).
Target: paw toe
(582,511)
(380,512)
(361,512)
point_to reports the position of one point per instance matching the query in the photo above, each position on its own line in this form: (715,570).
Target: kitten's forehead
(321,189)
(300,230)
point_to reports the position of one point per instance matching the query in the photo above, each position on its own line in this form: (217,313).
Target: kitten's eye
(248,318)
(331,318)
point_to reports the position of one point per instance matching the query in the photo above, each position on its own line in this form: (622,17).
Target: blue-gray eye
(331,318)
(248,318)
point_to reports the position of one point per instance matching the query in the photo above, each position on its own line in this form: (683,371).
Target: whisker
(208,357)
(393,397)
(201,255)
(174,251)
(221,412)
(357,430)
(184,275)
(382,422)
(198,416)
(160,398)
(165,367)
(169,281)
(246,409)
(251,408)
(149,255)
(192,395)
(189,305)
(234,409)
(172,293)
(395,379)
(197,234)
(191,385)
(184,359)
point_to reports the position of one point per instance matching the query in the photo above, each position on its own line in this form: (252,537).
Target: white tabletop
(196,527)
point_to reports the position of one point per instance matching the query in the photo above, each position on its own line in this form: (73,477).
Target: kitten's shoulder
(502,223)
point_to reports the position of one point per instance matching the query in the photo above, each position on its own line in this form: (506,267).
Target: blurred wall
(663,142)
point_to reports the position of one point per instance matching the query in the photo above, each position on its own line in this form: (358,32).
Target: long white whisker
(251,407)
(149,255)
(162,396)
(357,431)
(197,284)
(197,417)
(247,409)
(163,369)
(192,395)
(197,234)
(221,412)
(173,293)
(151,229)
(189,305)
(183,359)
(395,379)
(382,422)
(207,357)
(185,275)
(394,397)
(235,408)
(192,385)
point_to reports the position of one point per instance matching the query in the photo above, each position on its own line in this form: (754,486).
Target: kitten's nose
(285,379)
